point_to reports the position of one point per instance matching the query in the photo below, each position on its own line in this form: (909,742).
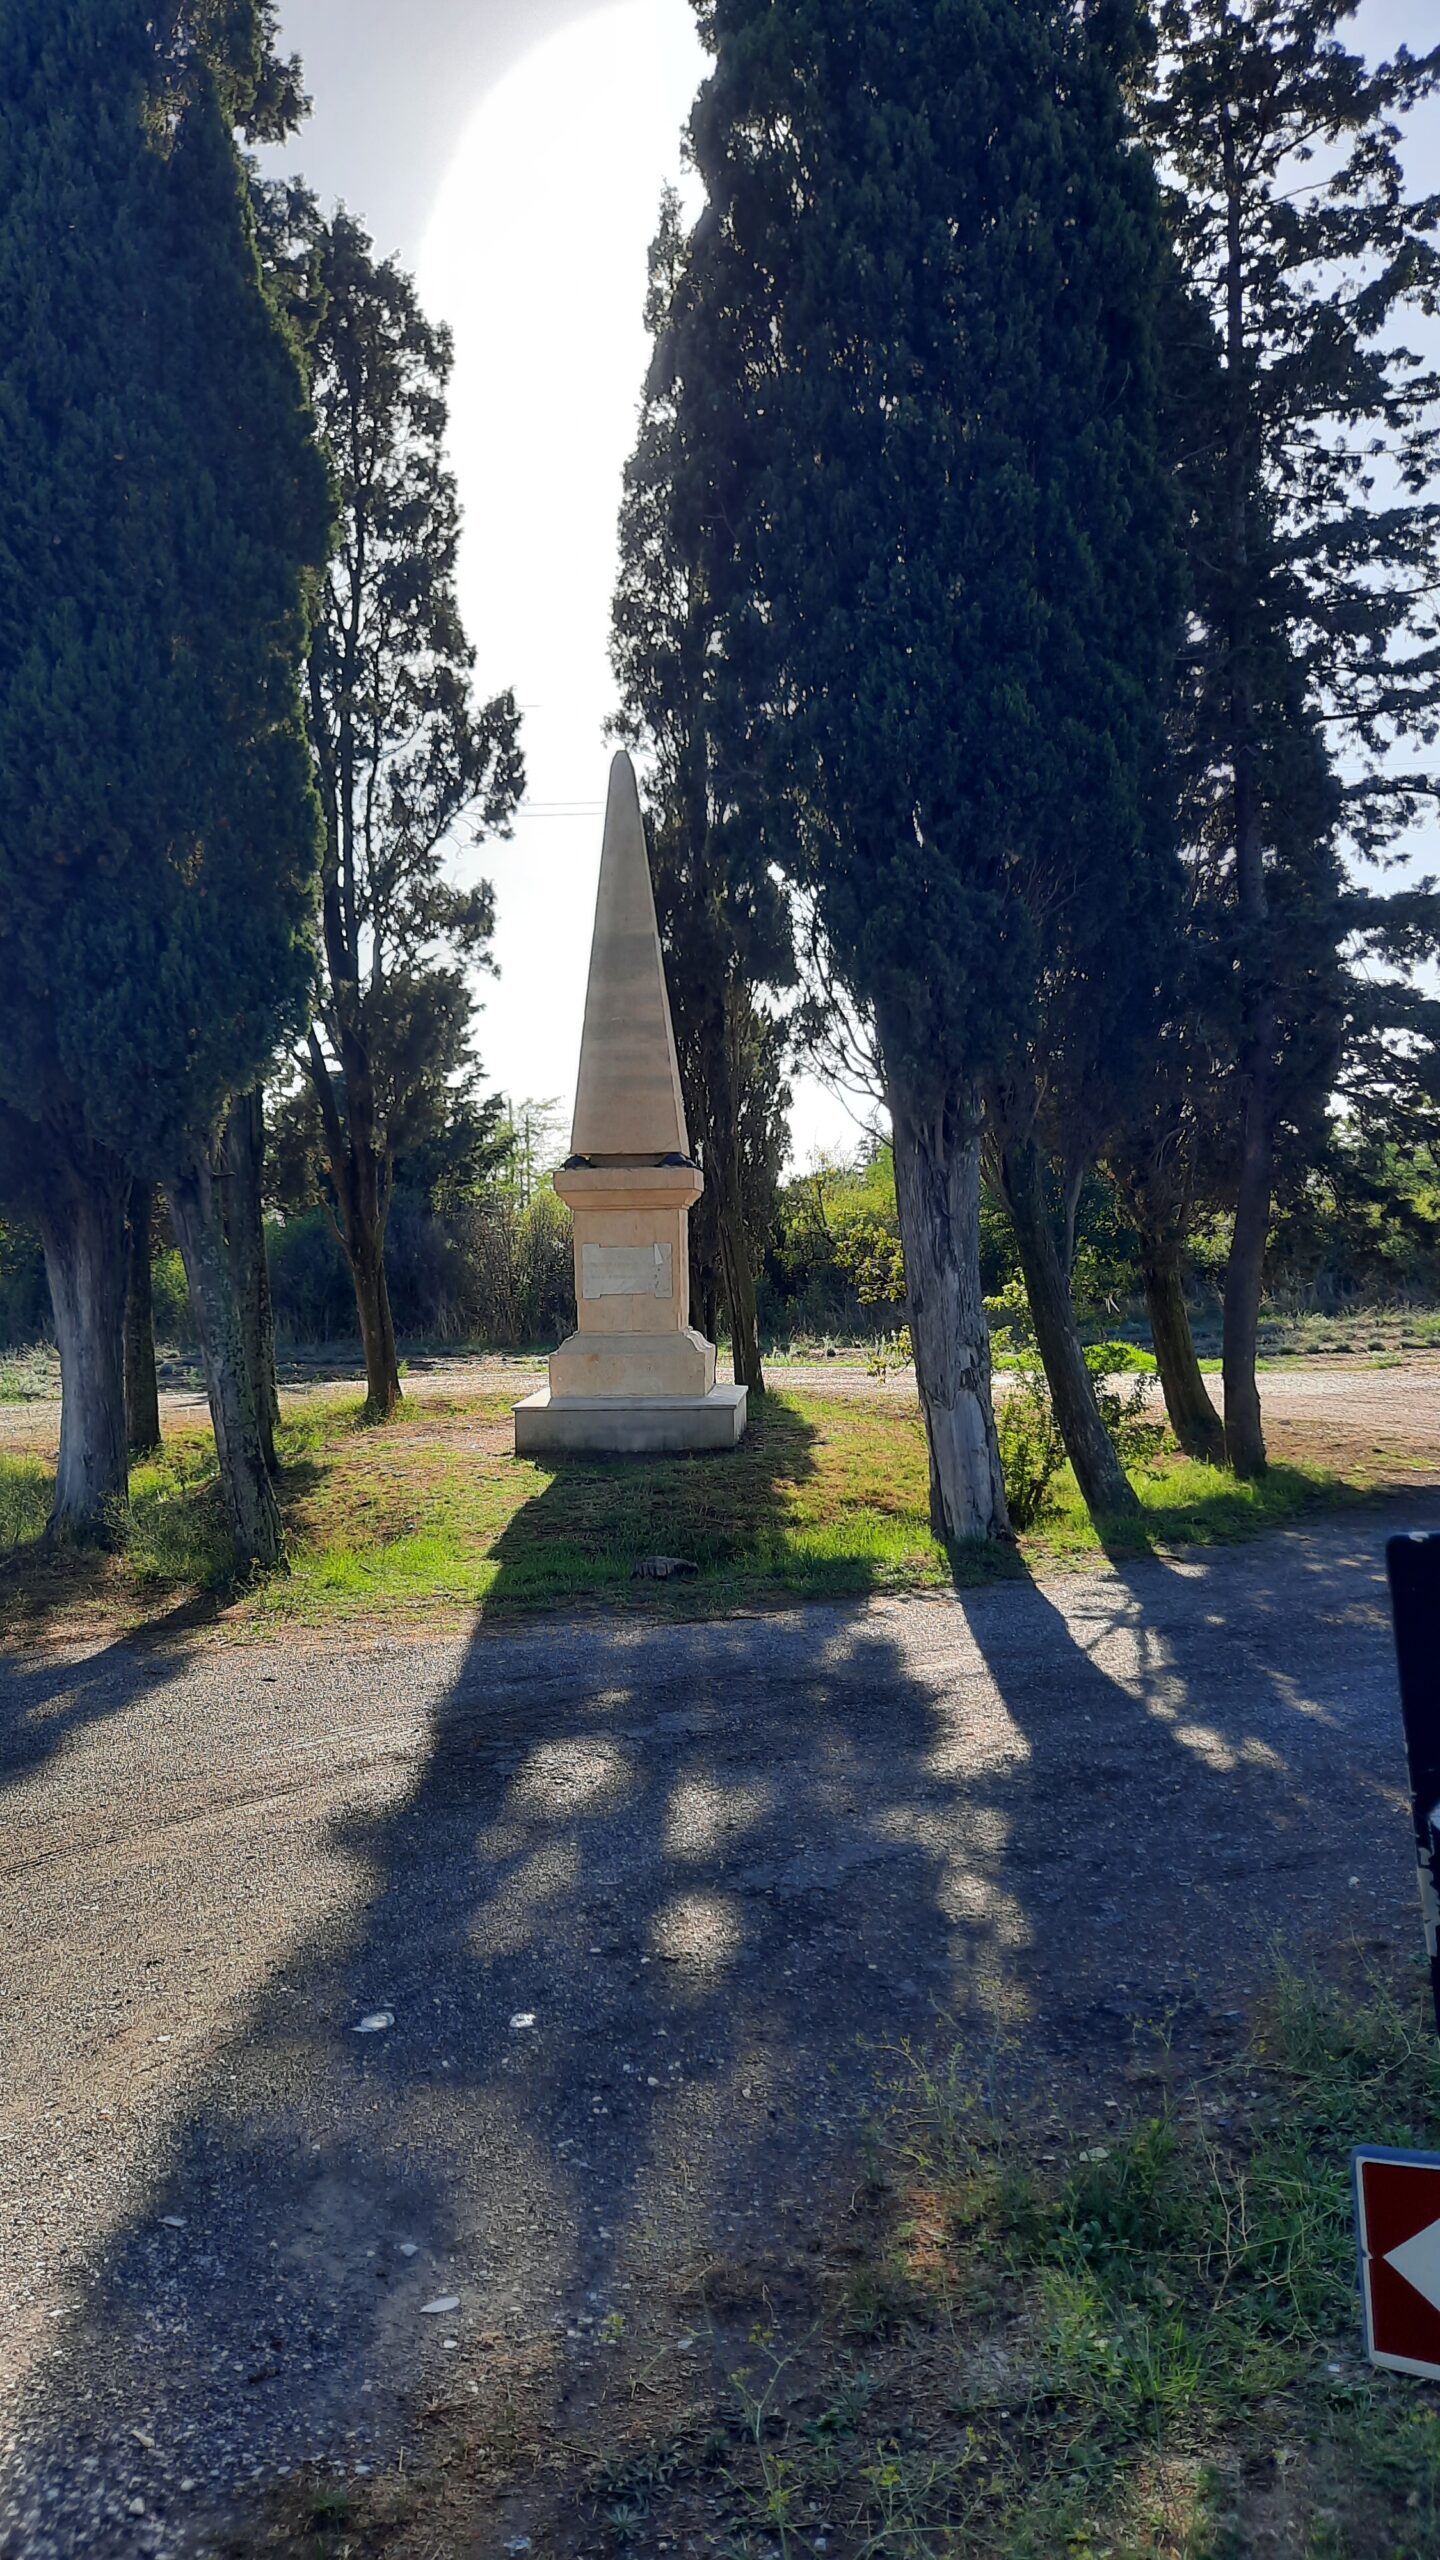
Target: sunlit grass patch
(30,1376)
(26,1485)
(431,1518)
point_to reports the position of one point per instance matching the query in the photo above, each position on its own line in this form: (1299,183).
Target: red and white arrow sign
(1397,2218)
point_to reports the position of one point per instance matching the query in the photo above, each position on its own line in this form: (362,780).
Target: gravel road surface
(372,2016)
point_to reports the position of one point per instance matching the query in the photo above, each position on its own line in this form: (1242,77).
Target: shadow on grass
(169,1563)
(731,1517)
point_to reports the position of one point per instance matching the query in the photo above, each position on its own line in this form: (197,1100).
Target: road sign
(1397,2219)
(1414,1568)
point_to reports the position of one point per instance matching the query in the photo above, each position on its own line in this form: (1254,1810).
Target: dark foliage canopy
(160,501)
(915,369)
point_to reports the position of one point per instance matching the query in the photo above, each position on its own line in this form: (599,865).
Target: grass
(31,1376)
(1146,2344)
(433,1518)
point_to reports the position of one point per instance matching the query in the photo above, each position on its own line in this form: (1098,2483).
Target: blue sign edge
(1361,2152)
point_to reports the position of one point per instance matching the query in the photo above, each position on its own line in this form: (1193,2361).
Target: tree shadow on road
(628,1941)
(48,1699)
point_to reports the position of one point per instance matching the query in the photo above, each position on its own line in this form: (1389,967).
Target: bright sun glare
(535,255)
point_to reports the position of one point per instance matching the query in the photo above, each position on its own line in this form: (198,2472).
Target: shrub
(1032,1452)
(1125,1412)
(170,1298)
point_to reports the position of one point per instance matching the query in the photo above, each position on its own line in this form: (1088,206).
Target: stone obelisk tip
(627,1100)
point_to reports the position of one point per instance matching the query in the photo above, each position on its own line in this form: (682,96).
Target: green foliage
(1307,437)
(1125,1411)
(160,501)
(913,370)
(835,1263)
(411,771)
(1032,1451)
(170,1299)
(498,1270)
(723,920)
(24,1296)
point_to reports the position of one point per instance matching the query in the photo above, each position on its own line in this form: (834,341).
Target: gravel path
(1394,1402)
(642,1908)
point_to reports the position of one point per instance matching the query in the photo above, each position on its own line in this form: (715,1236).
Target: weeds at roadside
(1146,2348)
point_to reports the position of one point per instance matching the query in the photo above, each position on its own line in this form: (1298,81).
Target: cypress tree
(411,769)
(160,502)
(1320,550)
(722,916)
(920,465)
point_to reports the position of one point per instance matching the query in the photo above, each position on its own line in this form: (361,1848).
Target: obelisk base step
(628,1426)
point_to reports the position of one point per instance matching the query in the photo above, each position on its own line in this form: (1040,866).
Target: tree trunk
(365,1253)
(81,1220)
(740,1299)
(1244,1437)
(735,1266)
(245,1479)
(142,1393)
(1193,1418)
(937,1183)
(1244,1272)
(1089,1447)
(245,1237)
(356,1172)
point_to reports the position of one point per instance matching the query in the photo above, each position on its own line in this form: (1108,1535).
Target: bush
(24,1290)
(1032,1452)
(309,1279)
(1125,1412)
(170,1298)
(1120,1359)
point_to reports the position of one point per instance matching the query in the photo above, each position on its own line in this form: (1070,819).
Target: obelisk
(634,1376)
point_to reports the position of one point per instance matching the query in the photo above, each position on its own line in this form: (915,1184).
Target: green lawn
(432,1520)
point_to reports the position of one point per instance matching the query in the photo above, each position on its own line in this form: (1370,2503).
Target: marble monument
(634,1376)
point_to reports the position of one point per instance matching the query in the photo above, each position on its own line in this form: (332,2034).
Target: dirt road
(379,2022)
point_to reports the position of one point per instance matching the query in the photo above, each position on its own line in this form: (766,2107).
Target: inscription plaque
(626,1271)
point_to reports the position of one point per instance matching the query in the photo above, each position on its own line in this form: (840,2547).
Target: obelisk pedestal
(634,1376)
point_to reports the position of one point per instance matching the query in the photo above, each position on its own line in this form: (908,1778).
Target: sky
(512,153)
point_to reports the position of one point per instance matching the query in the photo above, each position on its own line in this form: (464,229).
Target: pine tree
(722,917)
(160,502)
(917,403)
(1322,540)
(411,770)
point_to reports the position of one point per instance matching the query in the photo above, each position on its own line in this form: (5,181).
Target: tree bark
(740,1299)
(81,1218)
(937,1182)
(1193,1418)
(1244,1273)
(358,1177)
(142,1392)
(365,1252)
(1089,1447)
(245,1238)
(1245,1269)
(736,1270)
(250,1503)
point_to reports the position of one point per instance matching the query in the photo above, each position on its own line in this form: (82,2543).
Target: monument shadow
(636,1936)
